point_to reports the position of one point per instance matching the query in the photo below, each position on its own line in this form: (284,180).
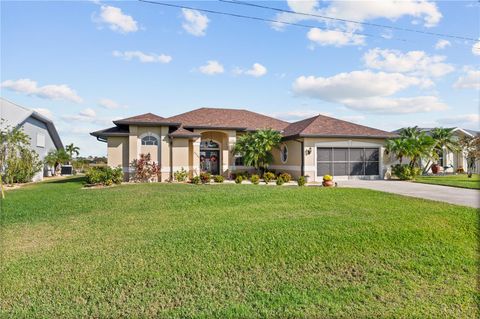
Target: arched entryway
(210,156)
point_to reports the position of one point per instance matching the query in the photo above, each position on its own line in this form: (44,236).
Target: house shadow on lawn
(76,179)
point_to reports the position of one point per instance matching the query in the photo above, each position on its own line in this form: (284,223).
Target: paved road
(453,195)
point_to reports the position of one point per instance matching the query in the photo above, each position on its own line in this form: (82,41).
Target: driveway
(452,195)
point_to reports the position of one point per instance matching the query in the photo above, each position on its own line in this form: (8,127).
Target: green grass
(234,251)
(460,180)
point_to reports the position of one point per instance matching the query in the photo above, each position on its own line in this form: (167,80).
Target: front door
(209,161)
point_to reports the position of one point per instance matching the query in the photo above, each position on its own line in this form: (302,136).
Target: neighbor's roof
(324,126)
(429,129)
(227,119)
(15,115)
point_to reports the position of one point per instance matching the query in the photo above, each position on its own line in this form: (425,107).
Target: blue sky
(86,63)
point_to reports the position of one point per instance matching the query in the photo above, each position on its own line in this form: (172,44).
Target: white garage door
(338,161)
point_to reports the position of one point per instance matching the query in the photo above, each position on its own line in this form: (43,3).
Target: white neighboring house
(41,130)
(453,161)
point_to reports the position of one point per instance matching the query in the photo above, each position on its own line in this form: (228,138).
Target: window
(238,160)
(284,153)
(149,140)
(40,140)
(210,144)
(347,161)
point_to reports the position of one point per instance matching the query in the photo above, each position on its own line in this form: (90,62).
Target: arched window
(284,153)
(149,140)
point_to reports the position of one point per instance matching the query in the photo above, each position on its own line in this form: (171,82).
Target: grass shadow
(67,180)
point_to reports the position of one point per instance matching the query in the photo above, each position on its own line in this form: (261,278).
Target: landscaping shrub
(327,177)
(280,181)
(218,179)
(181,175)
(255,179)
(145,169)
(301,181)
(268,177)
(205,177)
(286,177)
(195,180)
(104,175)
(405,172)
(239,179)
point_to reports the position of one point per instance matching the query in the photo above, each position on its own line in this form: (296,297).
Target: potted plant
(435,168)
(328,181)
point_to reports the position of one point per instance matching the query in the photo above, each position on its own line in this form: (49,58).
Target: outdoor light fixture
(308,151)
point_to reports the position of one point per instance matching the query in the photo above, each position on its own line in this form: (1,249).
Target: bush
(205,177)
(280,181)
(218,179)
(181,175)
(286,177)
(239,179)
(268,177)
(195,180)
(405,172)
(145,169)
(104,175)
(255,179)
(301,181)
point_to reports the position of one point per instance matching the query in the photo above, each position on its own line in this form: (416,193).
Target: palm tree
(444,140)
(256,148)
(396,148)
(411,132)
(72,149)
(56,157)
(412,144)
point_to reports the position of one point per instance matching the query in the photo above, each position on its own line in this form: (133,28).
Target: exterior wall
(293,165)
(180,154)
(310,145)
(33,128)
(117,152)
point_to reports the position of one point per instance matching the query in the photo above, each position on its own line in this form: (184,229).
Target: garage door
(347,161)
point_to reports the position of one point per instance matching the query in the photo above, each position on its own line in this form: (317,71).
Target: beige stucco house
(203,140)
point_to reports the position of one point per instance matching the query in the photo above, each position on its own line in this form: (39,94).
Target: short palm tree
(72,149)
(444,140)
(256,147)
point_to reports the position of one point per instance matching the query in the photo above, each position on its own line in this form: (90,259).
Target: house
(43,135)
(203,140)
(452,162)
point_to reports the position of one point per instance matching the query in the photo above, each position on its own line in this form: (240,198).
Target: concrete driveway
(452,195)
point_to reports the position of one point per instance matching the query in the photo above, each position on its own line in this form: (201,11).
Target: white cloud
(212,67)
(117,20)
(143,57)
(471,80)
(368,91)
(334,37)
(87,115)
(442,44)
(45,112)
(88,112)
(294,115)
(195,23)
(111,104)
(51,91)
(476,48)
(257,70)
(463,120)
(412,62)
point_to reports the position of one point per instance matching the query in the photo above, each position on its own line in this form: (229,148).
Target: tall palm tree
(411,132)
(444,140)
(72,149)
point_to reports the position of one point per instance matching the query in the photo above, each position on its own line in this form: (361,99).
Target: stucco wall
(117,152)
(294,159)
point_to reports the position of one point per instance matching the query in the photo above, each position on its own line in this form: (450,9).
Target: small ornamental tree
(145,170)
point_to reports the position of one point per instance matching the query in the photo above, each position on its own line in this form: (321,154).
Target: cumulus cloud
(257,70)
(142,57)
(334,37)
(442,44)
(212,67)
(476,48)
(88,116)
(470,80)
(195,23)
(51,91)
(111,104)
(412,62)
(88,112)
(368,91)
(117,20)
(463,120)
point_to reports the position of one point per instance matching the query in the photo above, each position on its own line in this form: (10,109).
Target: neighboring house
(41,130)
(452,162)
(203,140)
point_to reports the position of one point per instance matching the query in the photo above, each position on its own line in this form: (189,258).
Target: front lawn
(460,180)
(234,251)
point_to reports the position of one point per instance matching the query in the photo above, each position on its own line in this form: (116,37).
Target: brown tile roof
(147,118)
(228,119)
(321,125)
(181,132)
